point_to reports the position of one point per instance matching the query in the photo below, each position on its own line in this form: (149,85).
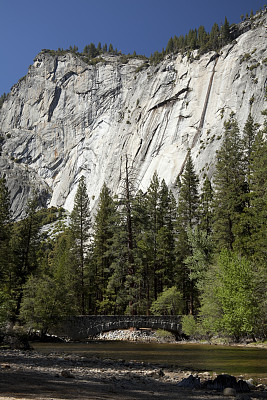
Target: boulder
(242,386)
(67,374)
(242,396)
(226,381)
(17,341)
(191,382)
(229,392)
(250,383)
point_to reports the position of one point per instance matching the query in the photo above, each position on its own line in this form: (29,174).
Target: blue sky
(28,26)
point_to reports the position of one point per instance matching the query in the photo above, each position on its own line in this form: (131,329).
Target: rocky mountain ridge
(66,118)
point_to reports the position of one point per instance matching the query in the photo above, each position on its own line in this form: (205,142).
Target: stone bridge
(83,327)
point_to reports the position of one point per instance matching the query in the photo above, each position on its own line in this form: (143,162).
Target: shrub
(245,57)
(254,66)
(169,302)
(189,325)
(142,66)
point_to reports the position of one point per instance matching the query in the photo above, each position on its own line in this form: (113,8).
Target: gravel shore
(32,375)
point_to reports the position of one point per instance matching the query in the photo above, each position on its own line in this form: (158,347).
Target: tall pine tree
(5,234)
(102,256)
(188,203)
(5,221)
(206,207)
(244,226)
(80,223)
(25,243)
(258,198)
(229,184)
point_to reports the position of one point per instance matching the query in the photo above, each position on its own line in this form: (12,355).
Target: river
(234,360)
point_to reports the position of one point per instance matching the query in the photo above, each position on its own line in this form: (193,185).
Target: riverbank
(33,375)
(150,336)
(138,335)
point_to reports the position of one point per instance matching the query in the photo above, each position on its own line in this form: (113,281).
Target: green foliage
(188,196)
(91,51)
(201,256)
(197,40)
(237,295)
(229,183)
(233,302)
(73,49)
(245,225)
(249,135)
(5,236)
(254,66)
(43,305)
(24,244)
(188,216)
(2,99)
(206,210)
(91,54)
(7,305)
(144,253)
(7,302)
(5,212)
(142,67)
(156,57)
(214,38)
(245,57)
(190,326)
(80,224)
(258,197)
(93,61)
(102,256)
(225,32)
(162,334)
(169,302)
(210,312)
(159,239)
(59,52)
(23,255)
(170,46)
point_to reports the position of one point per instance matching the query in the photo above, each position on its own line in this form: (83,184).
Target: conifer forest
(198,250)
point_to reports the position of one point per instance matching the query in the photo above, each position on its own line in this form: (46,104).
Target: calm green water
(237,361)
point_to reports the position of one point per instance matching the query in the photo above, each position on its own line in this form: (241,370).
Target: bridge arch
(84,327)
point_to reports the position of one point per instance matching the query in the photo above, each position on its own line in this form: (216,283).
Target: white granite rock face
(66,118)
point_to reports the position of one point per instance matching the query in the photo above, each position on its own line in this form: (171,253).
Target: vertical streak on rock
(54,102)
(206,101)
(164,130)
(202,119)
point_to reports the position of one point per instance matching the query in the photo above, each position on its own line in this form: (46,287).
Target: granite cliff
(67,118)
